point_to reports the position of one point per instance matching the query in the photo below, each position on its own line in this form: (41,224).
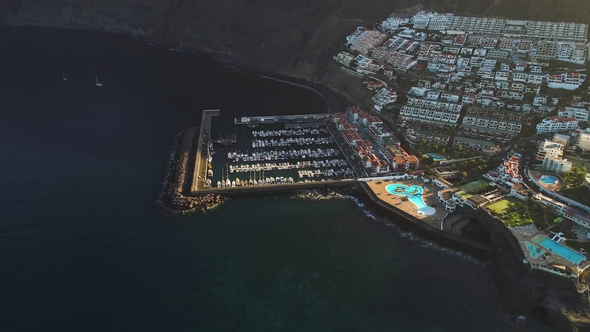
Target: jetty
(288,120)
(203,151)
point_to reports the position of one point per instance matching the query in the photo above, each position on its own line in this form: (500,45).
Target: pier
(288,120)
(202,159)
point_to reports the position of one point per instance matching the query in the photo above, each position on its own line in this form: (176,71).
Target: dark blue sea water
(85,247)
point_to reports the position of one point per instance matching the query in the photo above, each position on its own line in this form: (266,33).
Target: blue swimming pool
(534,250)
(559,249)
(435,157)
(414,194)
(548,179)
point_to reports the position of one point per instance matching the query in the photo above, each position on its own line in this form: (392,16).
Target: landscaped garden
(514,212)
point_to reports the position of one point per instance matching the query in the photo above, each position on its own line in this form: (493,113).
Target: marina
(270,151)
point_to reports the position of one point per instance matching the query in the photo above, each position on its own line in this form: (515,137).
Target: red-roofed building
(412,161)
(344,124)
(351,136)
(399,163)
(376,164)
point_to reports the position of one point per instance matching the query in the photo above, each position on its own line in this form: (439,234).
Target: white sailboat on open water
(97,83)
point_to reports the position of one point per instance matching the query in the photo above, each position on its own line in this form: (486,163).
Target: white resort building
(553,124)
(557,165)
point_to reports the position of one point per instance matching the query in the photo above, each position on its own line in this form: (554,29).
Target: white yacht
(97,83)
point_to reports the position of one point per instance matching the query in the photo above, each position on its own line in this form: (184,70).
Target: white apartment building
(568,81)
(536,70)
(484,123)
(428,115)
(535,79)
(520,77)
(502,76)
(557,165)
(549,149)
(383,97)
(557,31)
(440,22)
(553,124)
(393,23)
(477,24)
(584,140)
(580,114)
(540,100)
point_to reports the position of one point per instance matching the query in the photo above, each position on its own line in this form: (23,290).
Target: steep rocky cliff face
(293,37)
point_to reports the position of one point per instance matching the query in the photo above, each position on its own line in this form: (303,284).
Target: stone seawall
(476,249)
(178,179)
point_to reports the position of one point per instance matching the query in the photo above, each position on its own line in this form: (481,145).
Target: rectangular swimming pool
(559,249)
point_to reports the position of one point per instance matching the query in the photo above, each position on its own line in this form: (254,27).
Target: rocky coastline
(175,195)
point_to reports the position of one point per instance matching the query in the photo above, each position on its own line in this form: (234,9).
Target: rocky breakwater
(175,195)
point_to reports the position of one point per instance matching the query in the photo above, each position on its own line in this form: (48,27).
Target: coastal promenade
(202,158)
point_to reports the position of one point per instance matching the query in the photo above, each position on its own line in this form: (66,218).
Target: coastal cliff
(294,39)
(297,39)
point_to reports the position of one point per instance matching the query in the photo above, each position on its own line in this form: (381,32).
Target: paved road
(200,172)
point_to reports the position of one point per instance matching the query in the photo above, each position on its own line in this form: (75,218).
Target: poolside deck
(550,186)
(429,197)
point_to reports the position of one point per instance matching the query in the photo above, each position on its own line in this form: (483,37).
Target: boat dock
(288,120)
(229,140)
(202,158)
(299,152)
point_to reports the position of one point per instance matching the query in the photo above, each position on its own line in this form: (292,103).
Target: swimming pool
(548,179)
(561,250)
(534,250)
(414,194)
(435,157)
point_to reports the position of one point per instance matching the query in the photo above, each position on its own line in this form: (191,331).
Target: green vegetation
(502,205)
(475,186)
(423,147)
(573,186)
(514,212)
(541,219)
(580,195)
(575,178)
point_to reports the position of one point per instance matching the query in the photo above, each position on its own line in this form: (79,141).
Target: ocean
(86,247)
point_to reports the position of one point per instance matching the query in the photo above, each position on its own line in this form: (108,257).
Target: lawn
(501,205)
(516,219)
(515,216)
(473,186)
